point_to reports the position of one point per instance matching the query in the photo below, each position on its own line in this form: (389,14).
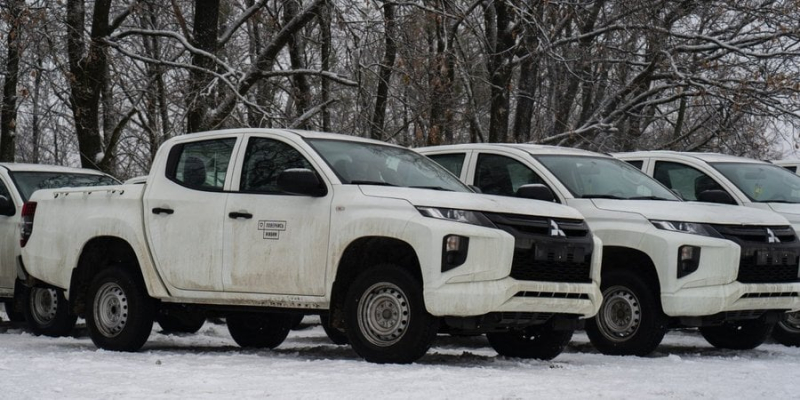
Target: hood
(784,208)
(473,201)
(707,213)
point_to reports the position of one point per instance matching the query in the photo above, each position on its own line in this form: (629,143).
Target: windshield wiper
(650,198)
(375,183)
(603,196)
(432,188)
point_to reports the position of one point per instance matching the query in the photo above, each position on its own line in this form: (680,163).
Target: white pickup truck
(731,271)
(258,225)
(720,178)
(44,309)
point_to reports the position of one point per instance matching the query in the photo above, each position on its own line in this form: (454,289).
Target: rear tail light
(26,226)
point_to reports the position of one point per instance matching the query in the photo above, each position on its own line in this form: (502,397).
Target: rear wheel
(630,320)
(47,312)
(540,342)
(13,315)
(787,330)
(120,313)
(259,330)
(386,316)
(737,335)
(334,334)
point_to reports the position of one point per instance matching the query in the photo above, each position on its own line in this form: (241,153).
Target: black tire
(404,330)
(259,330)
(120,313)
(630,320)
(335,335)
(737,335)
(297,319)
(179,319)
(540,342)
(47,311)
(13,315)
(787,330)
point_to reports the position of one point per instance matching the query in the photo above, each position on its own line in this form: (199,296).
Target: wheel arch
(98,254)
(617,258)
(362,254)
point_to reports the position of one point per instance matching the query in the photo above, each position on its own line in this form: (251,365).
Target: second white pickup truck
(732,271)
(255,225)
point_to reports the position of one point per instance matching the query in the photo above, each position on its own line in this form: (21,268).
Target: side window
(4,191)
(452,162)
(502,175)
(264,160)
(201,165)
(686,180)
(792,168)
(636,163)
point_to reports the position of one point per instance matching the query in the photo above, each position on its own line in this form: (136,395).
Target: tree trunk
(498,19)
(302,90)
(385,73)
(204,32)
(8,109)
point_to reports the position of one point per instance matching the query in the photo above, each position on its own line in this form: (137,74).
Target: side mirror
(301,181)
(536,191)
(7,207)
(716,196)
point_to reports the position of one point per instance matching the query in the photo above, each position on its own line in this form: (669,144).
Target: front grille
(769,254)
(548,249)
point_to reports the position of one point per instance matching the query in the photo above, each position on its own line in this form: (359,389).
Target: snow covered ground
(208,365)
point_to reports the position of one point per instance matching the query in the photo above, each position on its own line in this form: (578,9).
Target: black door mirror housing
(7,206)
(536,191)
(716,196)
(301,181)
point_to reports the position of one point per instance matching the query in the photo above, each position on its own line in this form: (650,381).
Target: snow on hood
(473,201)
(708,213)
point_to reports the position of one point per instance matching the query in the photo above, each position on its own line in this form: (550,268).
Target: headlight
(685,227)
(465,216)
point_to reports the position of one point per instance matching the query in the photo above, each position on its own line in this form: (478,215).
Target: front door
(9,243)
(278,243)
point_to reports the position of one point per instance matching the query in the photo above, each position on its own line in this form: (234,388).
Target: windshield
(29,182)
(358,163)
(601,177)
(763,183)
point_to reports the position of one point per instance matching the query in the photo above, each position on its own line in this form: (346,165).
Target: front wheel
(47,311)
(120,313)
(386,317)
(13,315)
(259,330)
(630,320)
(540,342)
(737,335)
(787,330)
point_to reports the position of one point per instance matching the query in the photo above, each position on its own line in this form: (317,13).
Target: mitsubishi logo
(771,238)
(556,231)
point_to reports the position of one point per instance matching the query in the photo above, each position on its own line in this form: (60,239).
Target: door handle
(159,210)
(236,215)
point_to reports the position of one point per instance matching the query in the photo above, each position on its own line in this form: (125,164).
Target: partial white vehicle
(43,307)
(720,178)
(260,225)
(667,263)
(791,165)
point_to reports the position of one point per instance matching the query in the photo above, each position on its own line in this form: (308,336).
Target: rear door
(9,241)
(276,243)
(184,213)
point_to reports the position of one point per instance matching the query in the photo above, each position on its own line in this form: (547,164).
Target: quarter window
(264,160)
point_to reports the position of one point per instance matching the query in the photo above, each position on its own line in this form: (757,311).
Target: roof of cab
(18,167)
(299,132)
(538,149)
(707,157)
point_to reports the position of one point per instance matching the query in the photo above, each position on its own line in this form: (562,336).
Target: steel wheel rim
(792,322)
(110,310)
(383,314)
(44,305)
(621,314)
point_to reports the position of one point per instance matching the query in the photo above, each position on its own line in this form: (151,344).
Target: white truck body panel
(710,290)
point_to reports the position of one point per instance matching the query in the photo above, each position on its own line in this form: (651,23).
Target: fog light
(688,260)
(454,251)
